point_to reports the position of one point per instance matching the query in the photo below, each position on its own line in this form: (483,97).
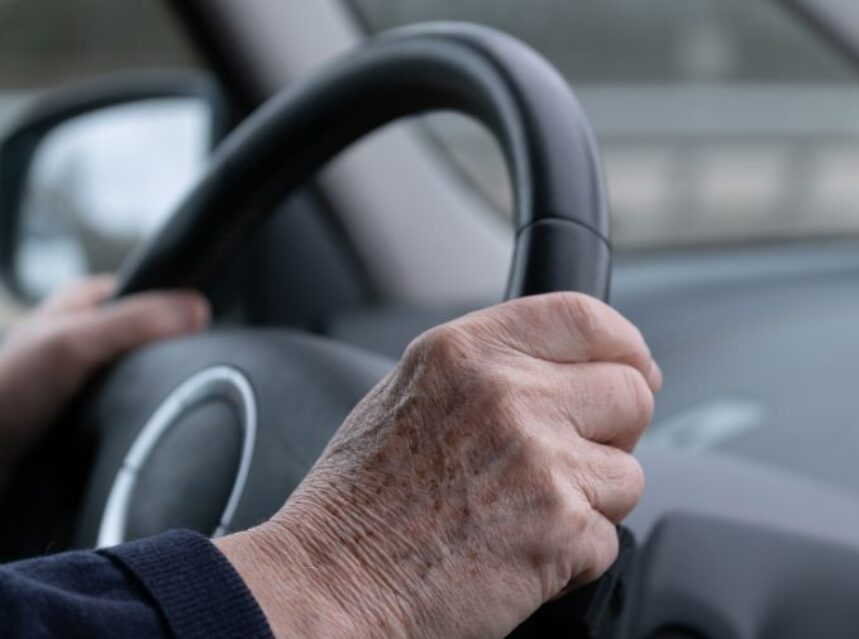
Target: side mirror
(90,170)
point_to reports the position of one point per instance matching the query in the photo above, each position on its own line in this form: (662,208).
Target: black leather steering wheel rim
(560,205)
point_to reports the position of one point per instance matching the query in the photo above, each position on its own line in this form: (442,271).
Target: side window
(98,182)
(719,120)
(48,42)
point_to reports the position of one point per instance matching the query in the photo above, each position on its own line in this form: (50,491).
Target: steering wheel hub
(203,429)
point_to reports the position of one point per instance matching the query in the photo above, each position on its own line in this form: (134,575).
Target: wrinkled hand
(51,353)
(476,482)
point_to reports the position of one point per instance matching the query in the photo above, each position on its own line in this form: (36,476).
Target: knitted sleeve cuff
(198,591)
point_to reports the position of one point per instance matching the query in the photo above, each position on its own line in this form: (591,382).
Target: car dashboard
(759,346)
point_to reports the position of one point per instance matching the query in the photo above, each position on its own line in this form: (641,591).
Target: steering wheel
(213,432)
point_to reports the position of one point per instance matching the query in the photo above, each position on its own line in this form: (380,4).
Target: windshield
(719,120)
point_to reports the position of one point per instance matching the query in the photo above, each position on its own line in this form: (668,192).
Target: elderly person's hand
(51,353)
(476,482)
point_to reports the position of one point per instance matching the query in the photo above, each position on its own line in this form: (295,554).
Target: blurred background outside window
(719,120)
(44,43)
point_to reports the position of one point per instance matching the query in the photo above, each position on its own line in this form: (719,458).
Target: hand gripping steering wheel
(213,432)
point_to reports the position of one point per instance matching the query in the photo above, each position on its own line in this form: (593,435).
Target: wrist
(307,582)
(278,579)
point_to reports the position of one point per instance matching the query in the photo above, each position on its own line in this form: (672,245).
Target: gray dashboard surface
(760,349)
(759,345)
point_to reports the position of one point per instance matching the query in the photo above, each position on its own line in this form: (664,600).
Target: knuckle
(555,505)
(583,313)
(632,479)
(529,468)
(526,455)
(495,388)
(638,396)
(587,480)
(604,549)
(488,381)
(577,511)
(441,346)
(621,480)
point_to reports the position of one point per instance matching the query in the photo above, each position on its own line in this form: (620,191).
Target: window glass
(719,120)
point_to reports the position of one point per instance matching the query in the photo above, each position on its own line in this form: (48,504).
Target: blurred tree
(48,41)
(643,41)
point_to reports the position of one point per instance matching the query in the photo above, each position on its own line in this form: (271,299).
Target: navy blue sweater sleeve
(173,585)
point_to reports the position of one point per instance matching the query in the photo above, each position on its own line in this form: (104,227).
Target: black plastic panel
(730,580)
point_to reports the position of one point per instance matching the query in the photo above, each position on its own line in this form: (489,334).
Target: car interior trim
(219,382)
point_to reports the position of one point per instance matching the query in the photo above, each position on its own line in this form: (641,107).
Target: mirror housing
(122,109)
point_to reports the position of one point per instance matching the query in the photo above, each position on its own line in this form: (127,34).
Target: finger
(566,328)
(600,551)
(112,330)
(79,295)
(607,403)
(610,479)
